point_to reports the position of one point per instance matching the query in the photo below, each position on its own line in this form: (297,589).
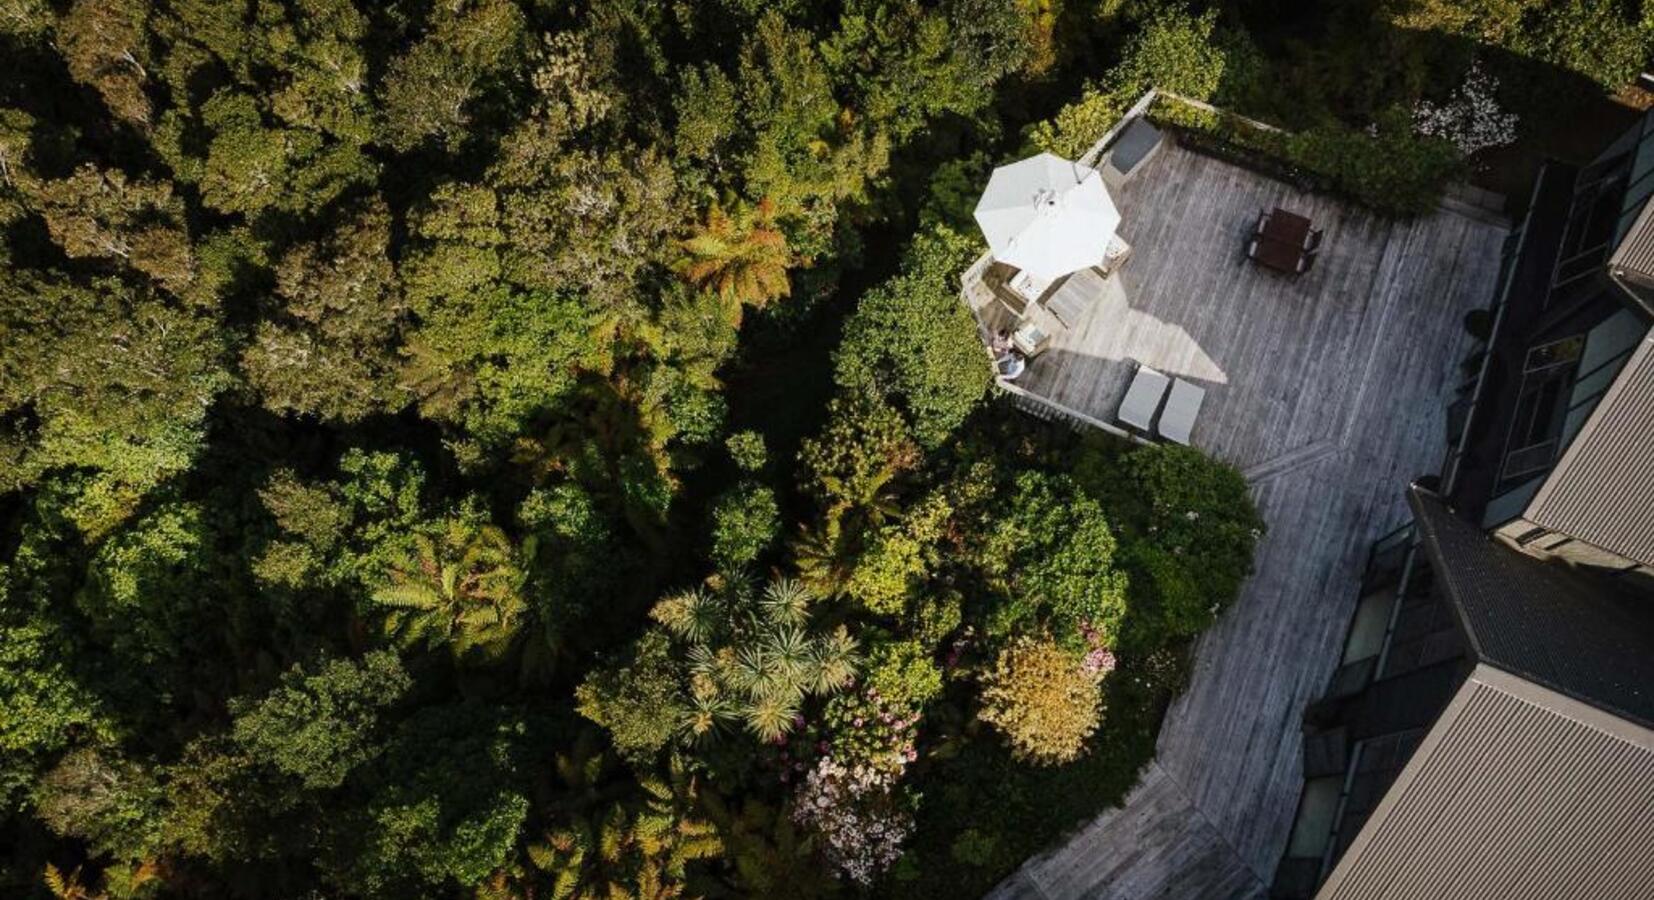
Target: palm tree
(461,587)
(754,660)
(740,257)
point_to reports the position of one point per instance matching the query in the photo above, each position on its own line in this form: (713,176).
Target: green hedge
(1388,169)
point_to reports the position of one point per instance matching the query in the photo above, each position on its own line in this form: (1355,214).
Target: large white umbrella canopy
(1047,216)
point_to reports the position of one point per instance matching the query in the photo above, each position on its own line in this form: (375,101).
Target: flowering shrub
(1098,660)
(1472,118)
(848,794)
(868,730)
(861,820)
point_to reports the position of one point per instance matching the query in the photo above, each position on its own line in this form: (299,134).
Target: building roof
(1570,630)
(1516,792)
(1635,253)
(1632,263)
(1602,490)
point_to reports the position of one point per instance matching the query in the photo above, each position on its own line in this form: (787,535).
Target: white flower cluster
(855,812)
(1472,118)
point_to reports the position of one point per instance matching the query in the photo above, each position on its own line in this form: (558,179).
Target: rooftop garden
(503,449)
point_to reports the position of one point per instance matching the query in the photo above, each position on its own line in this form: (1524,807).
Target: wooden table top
(1281,240)
(1287,226)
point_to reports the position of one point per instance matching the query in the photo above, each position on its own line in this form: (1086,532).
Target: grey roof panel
(1570,630)
(1634,257)
(1517,792)
(1602,490)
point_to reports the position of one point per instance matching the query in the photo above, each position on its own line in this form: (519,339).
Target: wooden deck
(1329,392)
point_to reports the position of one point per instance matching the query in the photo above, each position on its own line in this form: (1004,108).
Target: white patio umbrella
(1047,216)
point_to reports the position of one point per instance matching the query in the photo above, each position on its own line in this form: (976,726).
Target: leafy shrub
(638,700)
(1047,548)
(1188,528)
(864,446)
(318,726)
(1040,699)
(1389,169)
(903,671)
(42,704)
(1174,52)
(745,522)
(869,729)
(1600,39)
(955,186)
(975,847)
(747,450)
(448,804)
(111,803)
(898,556)
(937,616)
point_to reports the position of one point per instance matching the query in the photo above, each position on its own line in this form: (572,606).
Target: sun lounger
(1143,399)
(1182,407)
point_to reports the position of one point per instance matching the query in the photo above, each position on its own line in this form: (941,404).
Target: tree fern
(461,587)
(739,257)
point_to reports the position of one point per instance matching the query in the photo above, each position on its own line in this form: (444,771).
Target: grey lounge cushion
(1143,398)
(1134,146)
(1177,420)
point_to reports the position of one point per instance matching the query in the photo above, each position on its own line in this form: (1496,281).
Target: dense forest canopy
(535,449)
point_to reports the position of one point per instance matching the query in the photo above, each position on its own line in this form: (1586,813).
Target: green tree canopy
(912,341)
(318,725)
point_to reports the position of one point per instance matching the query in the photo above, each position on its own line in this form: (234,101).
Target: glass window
(1312,830)
(1372,619)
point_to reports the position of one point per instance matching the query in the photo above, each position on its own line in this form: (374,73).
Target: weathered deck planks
(1330,391)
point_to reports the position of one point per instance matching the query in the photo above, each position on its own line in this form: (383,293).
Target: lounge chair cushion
(1142,399)
(1177,420)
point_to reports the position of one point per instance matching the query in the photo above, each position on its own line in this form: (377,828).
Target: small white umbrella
(1047,216)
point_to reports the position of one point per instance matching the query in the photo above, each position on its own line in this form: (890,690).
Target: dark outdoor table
(1281,241)
(1288,227)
